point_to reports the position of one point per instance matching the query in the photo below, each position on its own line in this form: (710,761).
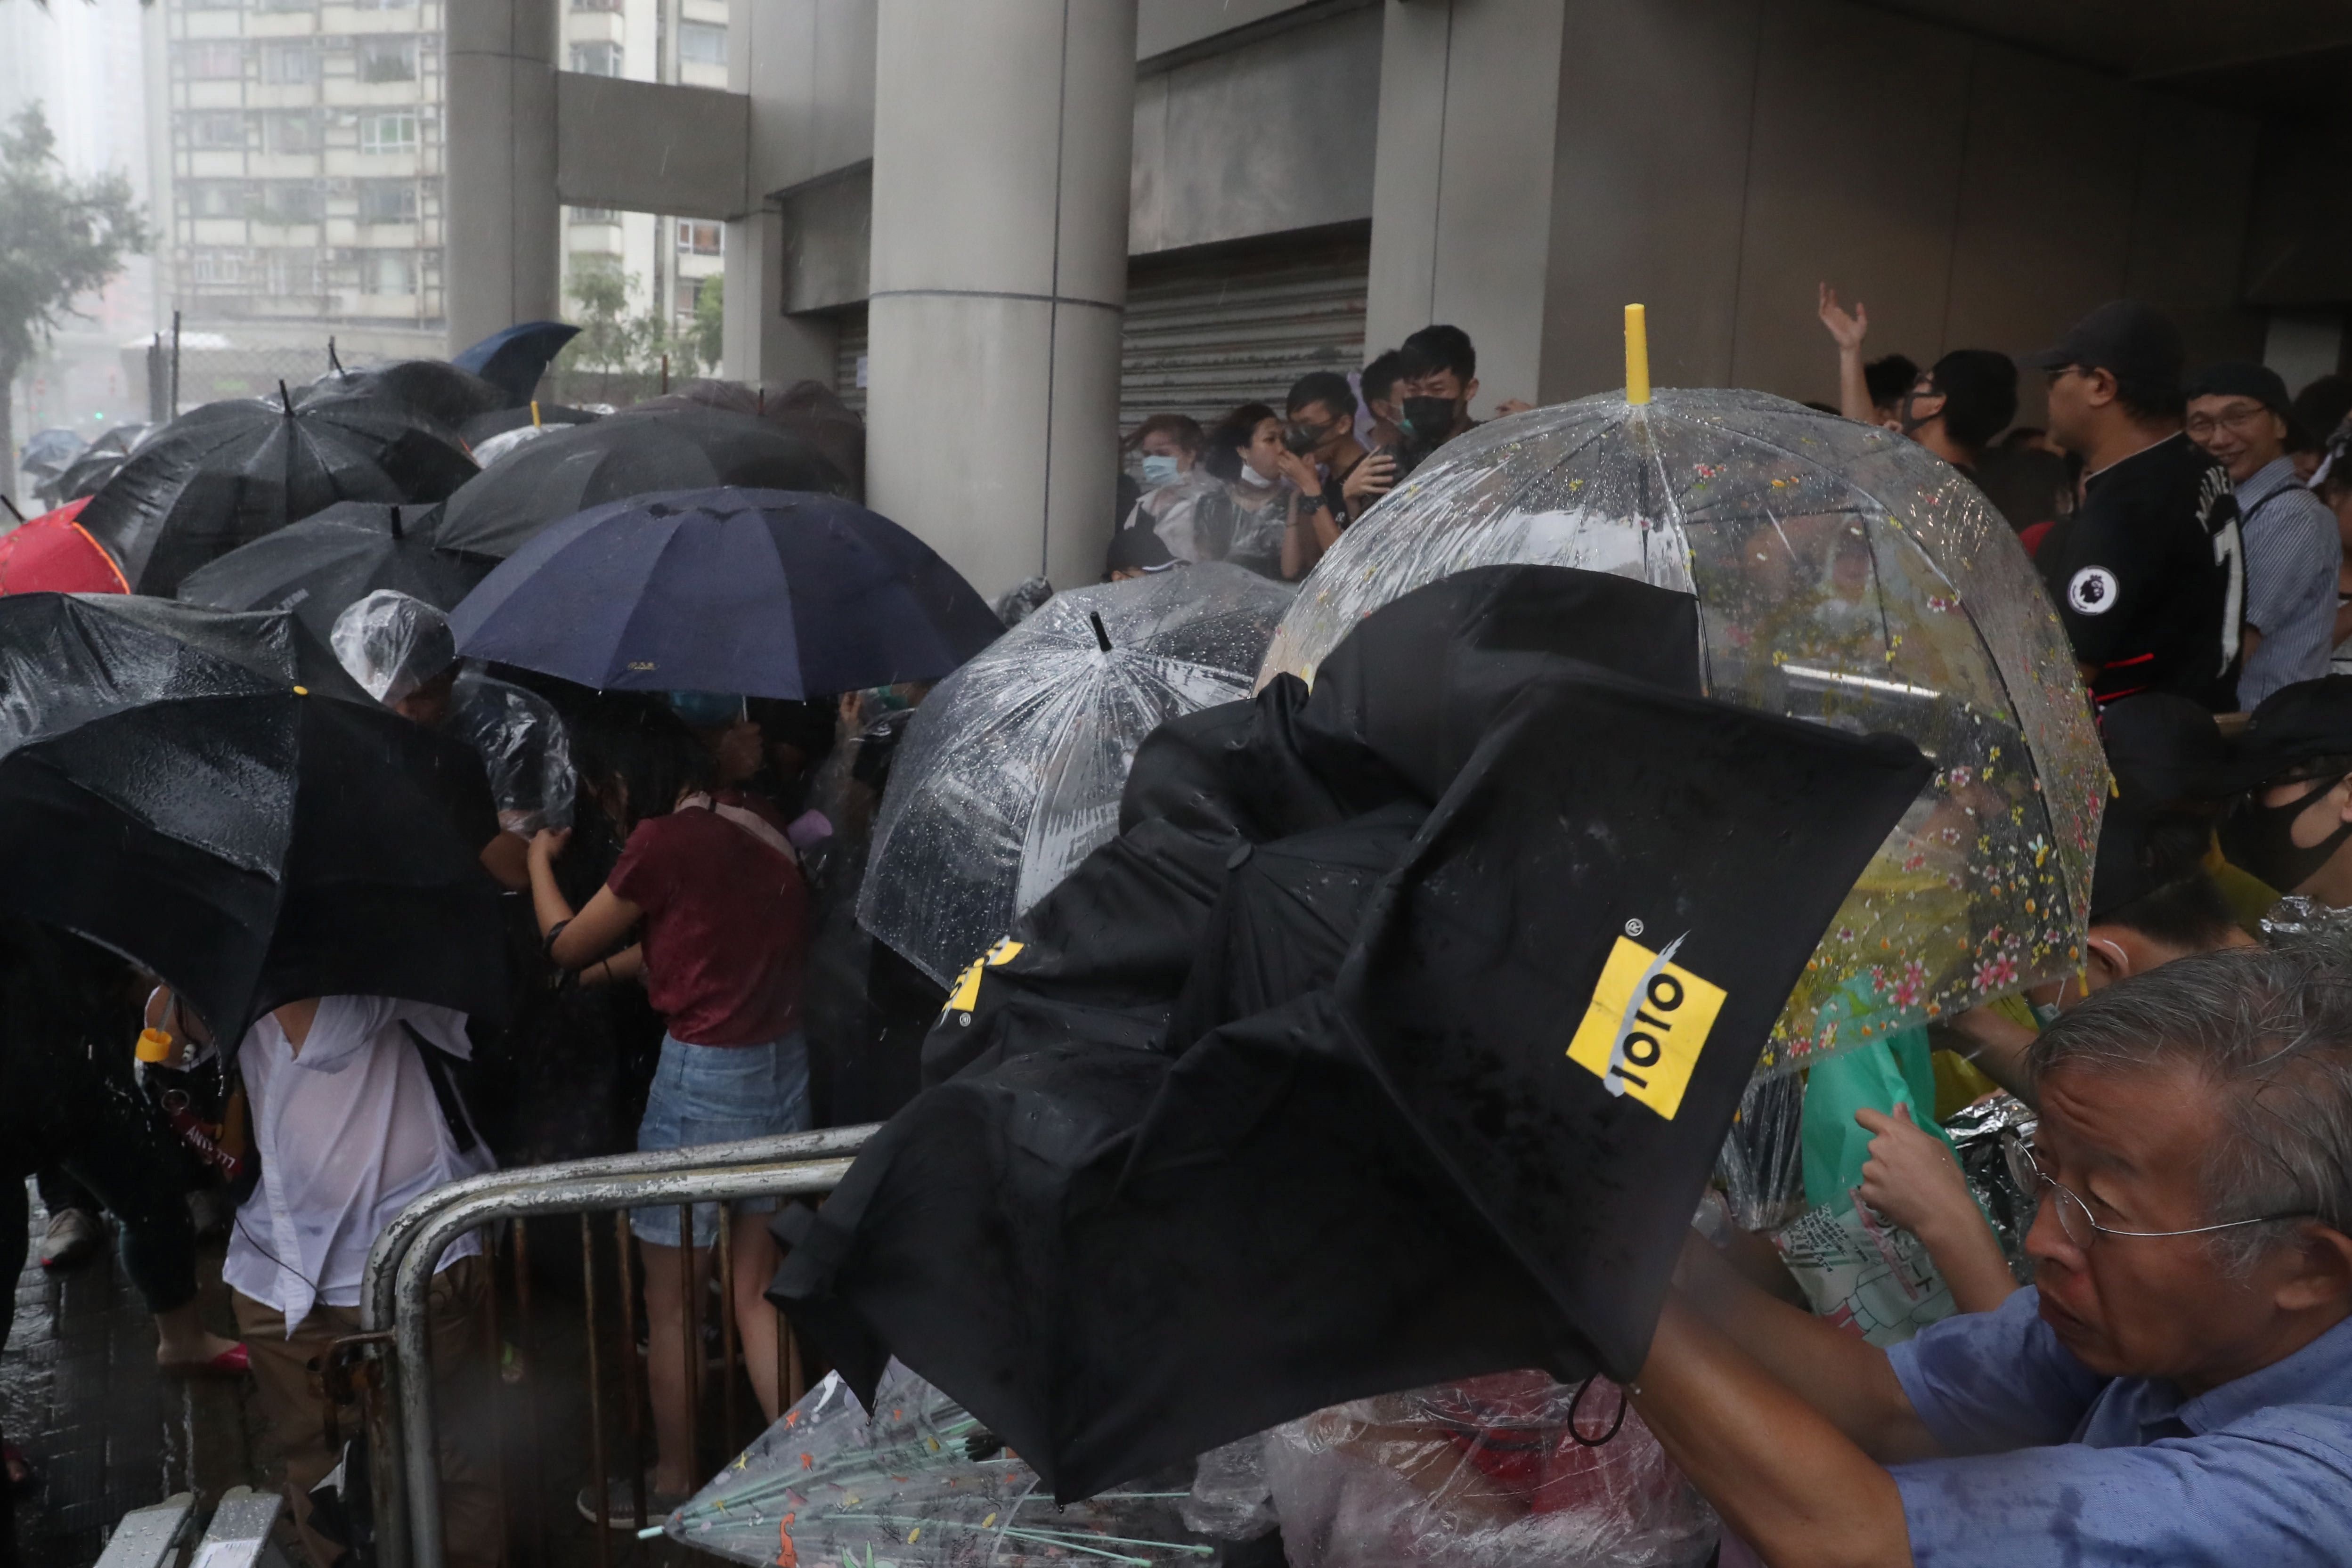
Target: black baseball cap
(2135,342)
(1138,548)
(2295,725)
(2243,378)
(2165,750)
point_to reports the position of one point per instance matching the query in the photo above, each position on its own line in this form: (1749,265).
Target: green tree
(60,238)
(708,332)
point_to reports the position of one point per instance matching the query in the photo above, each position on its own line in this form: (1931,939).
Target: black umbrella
(210,794)
(228,473)
(1392,1043)
(515,357)
(320,565)
(433,389)
(99,462)
(499,422)
(626,453)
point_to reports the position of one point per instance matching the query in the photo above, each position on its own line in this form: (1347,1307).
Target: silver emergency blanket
(1845,575)
(1013,770)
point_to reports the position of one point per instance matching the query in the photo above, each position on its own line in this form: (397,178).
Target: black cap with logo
(2136,343)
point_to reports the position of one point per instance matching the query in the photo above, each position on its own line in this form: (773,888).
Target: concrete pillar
(759,344)
(1002,137)
(1462,181)
(500,217)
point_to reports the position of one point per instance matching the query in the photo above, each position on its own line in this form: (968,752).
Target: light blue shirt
(2056,1467)
(2292,551)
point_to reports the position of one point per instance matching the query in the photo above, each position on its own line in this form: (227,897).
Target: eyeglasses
(2075,1215)
(2240,419)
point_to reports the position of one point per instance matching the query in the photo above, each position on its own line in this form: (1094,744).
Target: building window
(596,60)
(388,272)
(285,4)
(217,266)
(290,64)
(595,5)
(291,272)
(702,43)
(387,133)
(217,198)
(217,130)
(387,202)
(291,203)
(214,59)
(699,238)
(381,5)
(387,59)
(290,132)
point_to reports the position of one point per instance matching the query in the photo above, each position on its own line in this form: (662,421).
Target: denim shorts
(716,1094)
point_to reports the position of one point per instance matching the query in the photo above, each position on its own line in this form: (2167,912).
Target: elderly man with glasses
(2175,1387)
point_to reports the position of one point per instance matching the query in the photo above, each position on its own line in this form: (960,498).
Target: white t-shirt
(349,1133)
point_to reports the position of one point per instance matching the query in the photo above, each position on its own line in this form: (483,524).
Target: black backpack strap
(437,1064)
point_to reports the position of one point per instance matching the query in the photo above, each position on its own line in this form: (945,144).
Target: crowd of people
(683,870)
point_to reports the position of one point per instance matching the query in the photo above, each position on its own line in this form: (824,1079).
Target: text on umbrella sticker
(1645,1025)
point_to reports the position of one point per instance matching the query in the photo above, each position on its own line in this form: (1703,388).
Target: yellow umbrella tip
(1637,354)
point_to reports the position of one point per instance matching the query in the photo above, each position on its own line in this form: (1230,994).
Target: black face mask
(2261,839)
(1430,419)
(1301,439)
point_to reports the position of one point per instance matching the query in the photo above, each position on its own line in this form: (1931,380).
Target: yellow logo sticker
(966,995)
(1645,1025)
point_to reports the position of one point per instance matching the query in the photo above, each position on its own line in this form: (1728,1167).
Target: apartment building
(300,156)
(668,260)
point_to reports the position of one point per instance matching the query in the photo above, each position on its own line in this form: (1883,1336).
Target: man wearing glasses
(2149,575)
(2175,1388)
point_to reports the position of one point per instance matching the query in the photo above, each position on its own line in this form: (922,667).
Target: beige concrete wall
(649,147)
(1718,159)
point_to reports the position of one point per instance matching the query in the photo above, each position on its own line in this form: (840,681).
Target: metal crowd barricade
(395,1340)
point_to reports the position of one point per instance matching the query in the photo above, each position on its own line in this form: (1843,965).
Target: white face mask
(1158,470)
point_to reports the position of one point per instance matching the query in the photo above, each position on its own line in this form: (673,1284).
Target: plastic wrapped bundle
(1762,1166)
(393,643)
(524,749)
(919,1484)
(1507,1471)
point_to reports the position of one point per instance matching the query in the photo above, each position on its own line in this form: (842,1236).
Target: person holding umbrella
(716,896)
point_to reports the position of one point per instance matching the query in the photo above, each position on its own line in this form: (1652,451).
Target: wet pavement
(105,1431)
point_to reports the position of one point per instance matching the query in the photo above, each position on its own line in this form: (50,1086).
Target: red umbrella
(54,554)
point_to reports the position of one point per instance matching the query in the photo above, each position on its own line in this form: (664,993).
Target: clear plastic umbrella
(1844,575)
(917,1484)
(1012,773)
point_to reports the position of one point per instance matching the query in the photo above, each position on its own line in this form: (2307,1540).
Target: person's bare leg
(756,1256)
(182,1341)
(666,1320)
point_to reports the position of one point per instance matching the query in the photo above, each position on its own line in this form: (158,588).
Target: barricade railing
(388,1366)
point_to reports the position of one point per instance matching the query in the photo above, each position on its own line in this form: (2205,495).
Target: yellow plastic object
(534,413)
(154,1045)
(1637,354)
(302,691)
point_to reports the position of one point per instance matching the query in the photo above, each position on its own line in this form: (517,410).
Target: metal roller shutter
(848,353)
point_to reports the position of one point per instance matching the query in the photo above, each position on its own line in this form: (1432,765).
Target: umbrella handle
(1637,354)
(1101,636)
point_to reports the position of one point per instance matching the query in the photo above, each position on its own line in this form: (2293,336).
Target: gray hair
(2272,1032)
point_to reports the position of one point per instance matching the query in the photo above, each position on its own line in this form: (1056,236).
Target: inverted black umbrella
(45,457)
(514,358)
(323,564)
(435,388)
(98,463)
(1392,1043)
(625,455)
(765,592)
(211,795)
(228,473)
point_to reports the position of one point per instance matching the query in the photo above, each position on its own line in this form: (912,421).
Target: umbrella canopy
(514,358)
(810,411)
(98,463)
(1012,773)
(1843,574)
(323,565)
(1393,1040)
(504,421)
(48,454)
(229,473)
(209,794)
(765,592)
(54,554)
(431,388)
(923,1482)
(621,456)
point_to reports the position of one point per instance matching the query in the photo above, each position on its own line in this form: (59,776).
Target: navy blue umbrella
(774,593)
(514,358)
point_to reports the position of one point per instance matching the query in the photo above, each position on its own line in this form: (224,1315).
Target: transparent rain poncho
(524,751)
(1012,771)
(1845,575)
(393,643)
(917,1484)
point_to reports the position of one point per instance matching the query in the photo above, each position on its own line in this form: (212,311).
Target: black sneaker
(621,1504)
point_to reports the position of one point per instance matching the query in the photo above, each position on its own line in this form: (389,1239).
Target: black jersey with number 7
(2149,576)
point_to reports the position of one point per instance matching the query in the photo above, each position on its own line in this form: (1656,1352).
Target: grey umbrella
(1012,772)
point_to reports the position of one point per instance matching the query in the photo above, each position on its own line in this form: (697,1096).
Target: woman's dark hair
(638,742)
(1233,432)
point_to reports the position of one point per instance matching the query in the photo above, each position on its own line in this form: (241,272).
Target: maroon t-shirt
(726,928)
